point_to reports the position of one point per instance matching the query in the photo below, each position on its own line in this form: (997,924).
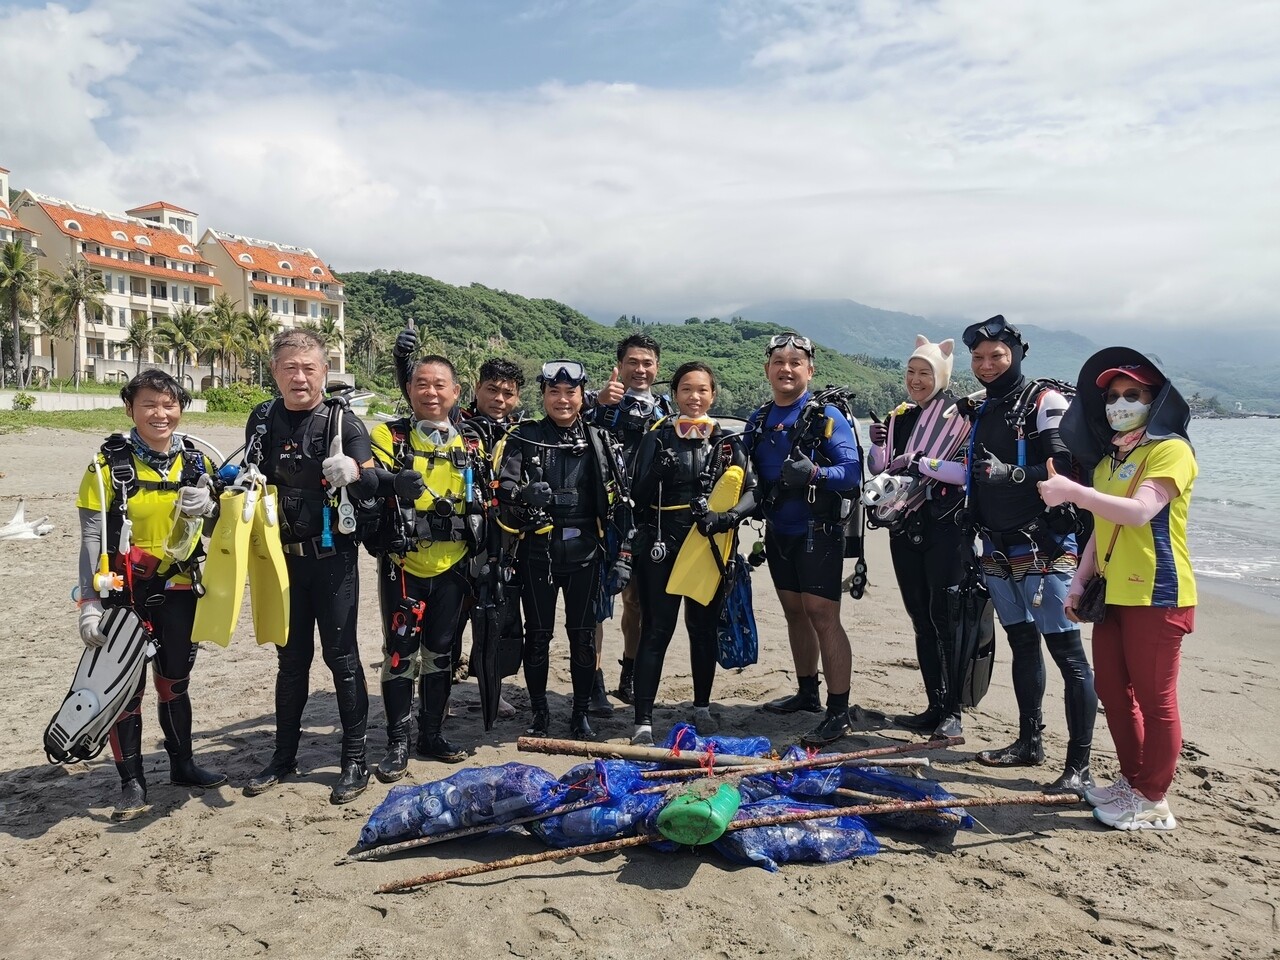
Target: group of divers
(480,509)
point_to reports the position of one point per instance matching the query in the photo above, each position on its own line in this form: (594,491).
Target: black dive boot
(1026,751)
(580,726)
(836,724)
(626,691)
(397,703)
(1076,777)
(175,721)
(133,784)
(920,722)
(352,782)
(600,705)
(433,690)
(805,699)
(291,699)
(540,725)
(583,674)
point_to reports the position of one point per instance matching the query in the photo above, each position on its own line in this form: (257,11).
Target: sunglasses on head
(790,340)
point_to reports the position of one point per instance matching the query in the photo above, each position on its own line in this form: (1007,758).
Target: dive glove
(537,495)
(620,575)
(91,624)
(406,345)
(409,485)
(905,464)
(714,523)
(879,434)
(988,468)
(666,464)
(340,470)
(196,501)
(797,471)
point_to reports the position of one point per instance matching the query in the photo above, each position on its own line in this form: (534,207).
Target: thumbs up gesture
(339,469)
(611,393)
(1057,488)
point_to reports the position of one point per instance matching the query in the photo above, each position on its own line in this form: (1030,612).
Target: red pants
(1136,653)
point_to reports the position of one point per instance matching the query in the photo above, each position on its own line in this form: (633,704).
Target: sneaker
(1102,795)
(643,737)
(1133,811)
(832,728)
(505,708)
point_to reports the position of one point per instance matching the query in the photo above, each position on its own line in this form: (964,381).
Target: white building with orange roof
(11,228)
(150,268)
(294,284)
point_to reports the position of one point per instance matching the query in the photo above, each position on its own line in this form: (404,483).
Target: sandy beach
(216,874)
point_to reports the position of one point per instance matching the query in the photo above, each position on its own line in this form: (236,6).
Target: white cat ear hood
(939,357)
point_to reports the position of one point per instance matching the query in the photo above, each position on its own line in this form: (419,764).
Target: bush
(23,401)
(236,398)
(378,405)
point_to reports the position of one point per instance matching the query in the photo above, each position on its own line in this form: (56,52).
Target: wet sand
(216,874)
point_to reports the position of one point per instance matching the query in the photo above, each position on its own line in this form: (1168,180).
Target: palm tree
(139,338)
(78,292)
(180,334)
(327,330)
(369,341)
(228,331)
(260,329)
(19,284)
(53,324)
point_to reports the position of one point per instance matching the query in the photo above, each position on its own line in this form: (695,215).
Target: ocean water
(1234,524)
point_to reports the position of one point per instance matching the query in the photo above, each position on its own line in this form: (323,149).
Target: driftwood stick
(1051,799)
(846,794)
(818,760)
(625,751)
(386,849)
(521,861)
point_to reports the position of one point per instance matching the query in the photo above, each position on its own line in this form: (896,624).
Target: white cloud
(1054,162)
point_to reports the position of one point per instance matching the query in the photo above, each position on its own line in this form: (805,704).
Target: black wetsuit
(569,558)
(324,584)
(699,463)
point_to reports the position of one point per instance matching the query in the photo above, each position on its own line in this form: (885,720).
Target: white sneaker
(704,721)
(643,737)
(1098,796)
(1133,811)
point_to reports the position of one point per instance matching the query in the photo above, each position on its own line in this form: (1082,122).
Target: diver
(561,487)
(924,439)
(435,521)
(806,481)
(294,442)
(1028,550)
(627,407)
(676,467)
(137,480)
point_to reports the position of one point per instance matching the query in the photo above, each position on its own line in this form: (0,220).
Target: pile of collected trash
(605,800)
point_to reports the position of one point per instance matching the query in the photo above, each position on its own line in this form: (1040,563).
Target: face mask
(1125,415)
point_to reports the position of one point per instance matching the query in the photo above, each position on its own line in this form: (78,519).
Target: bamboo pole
(625,751)
(818,760)
(1051,799)
(384,850)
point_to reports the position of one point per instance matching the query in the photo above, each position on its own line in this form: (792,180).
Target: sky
(1066,164)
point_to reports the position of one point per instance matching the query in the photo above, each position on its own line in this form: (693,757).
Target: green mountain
(852,327)
(469,324)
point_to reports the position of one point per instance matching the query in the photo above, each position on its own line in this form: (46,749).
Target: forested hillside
(469,324)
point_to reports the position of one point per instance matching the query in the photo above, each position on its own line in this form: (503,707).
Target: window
(286,265)
(143,241)
(315,310)
(72,225)
(317,272)
(186,294)
(245,258)
(106,282)
(275,304)
(120,315)
(119,235)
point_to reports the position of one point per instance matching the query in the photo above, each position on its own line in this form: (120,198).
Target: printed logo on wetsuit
(1127,471)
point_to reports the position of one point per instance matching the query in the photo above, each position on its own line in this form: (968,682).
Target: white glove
(195,501)
(340,470)
(90,624)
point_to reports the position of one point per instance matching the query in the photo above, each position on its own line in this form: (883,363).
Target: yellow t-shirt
(442,479)
(150,511)
(1150,565)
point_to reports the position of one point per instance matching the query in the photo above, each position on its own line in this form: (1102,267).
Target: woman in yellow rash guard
(153,470)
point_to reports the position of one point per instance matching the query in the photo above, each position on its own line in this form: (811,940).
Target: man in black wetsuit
(292,440)
(560,487)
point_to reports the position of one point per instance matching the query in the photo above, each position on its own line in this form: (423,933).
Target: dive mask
(694,428)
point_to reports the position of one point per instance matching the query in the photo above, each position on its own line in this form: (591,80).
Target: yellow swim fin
(225,567)
(696,574)
(268,574)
